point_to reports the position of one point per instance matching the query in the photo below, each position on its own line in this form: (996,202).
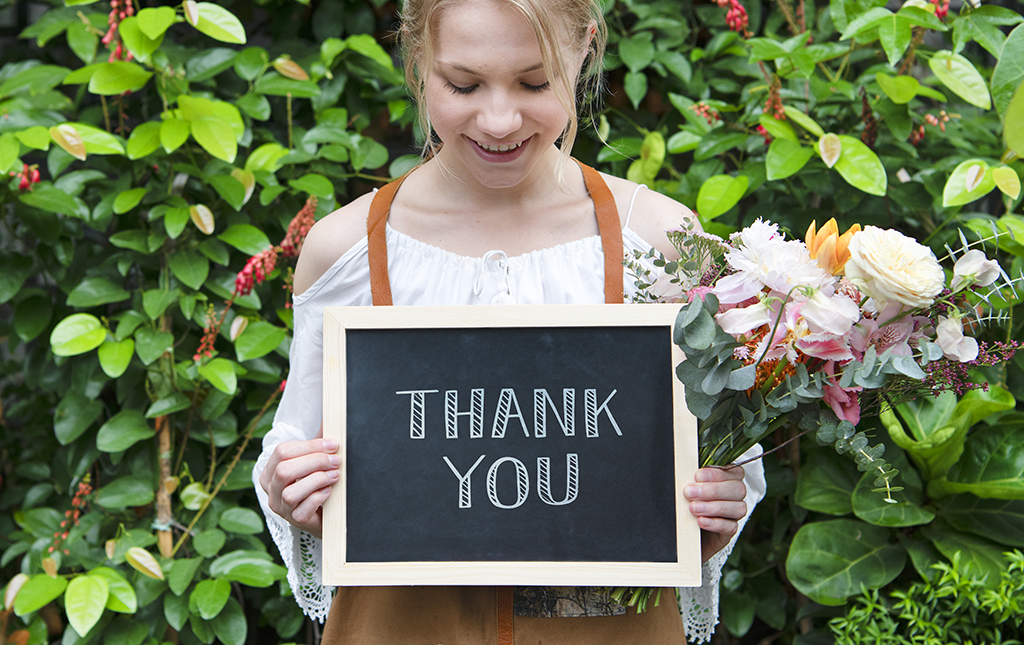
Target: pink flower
(974,269)
(844,402)
(950,337)
(740,320)
(835,315)
(828,347)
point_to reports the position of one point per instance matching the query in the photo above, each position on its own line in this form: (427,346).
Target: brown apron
(484,615)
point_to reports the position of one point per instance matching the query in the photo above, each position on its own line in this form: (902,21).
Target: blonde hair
(581,22)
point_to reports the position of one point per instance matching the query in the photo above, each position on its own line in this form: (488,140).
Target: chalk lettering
(417,405)
(475,414)
(592,410)
(465,492)
(572,479)
(522,482)
(506,401)
(541,400)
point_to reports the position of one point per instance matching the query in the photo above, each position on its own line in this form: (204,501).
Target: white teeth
(501,148)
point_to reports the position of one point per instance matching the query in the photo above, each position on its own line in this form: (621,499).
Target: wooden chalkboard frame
(337,571)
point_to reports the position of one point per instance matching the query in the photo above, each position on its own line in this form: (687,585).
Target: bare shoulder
(653,213)
(329,239)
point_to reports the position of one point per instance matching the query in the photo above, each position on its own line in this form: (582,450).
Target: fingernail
(693,492)
(703,475)
(705,522)
(698,507)
(333,474)
(330,445)
(334,460)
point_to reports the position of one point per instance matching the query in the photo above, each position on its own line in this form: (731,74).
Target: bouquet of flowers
(815,334)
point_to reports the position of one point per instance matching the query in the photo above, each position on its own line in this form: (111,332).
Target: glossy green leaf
(128,199)
(173,133)
(127,491)
(176,610)
(1007,181)
(82,41)
(190,267)
(995,519)
(208,63)
(826,482)
(194,495)
(682,142)
(829,561)
(156,301)
(230,625)
(957,191)
(992,464)
(182,573)
(36,137)
(216,136)
(785,158)
(16,271)
(122,431)
(54,200)
(864,22)
(313,184)
(637,51)
(241,520)
(77,334)
(1013,123)
(778,128)
(220,372)
(175,221)
(958,74)
(209,542)
(168,405)
(73,416)
(265,157)
(217,22)
(635,84)
(154,21)
(901,89)
(719,194)
(32,316)
(84,602)
(255,106)
(1008,74)
(250,62)
(92,292)
(117,78)
(209,597)
(97,141)
(861,167)
(894,33)
(804,121)
(274,84)
(652,155)
(246,238)
(39,591)
(138,42)
(230,189)
(718,141)
(144,140)
(151,344)
(10,148)
(259,339)
(121,596)
(115,356)
(251,568)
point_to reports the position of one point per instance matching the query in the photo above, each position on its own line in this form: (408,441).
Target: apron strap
(607,223)
(504,617)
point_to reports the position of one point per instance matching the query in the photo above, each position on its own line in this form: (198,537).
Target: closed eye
(537,88)
(459,90)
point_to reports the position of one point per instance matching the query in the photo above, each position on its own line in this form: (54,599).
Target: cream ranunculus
(890,266)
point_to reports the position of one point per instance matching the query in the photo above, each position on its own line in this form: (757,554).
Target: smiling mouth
(505,147)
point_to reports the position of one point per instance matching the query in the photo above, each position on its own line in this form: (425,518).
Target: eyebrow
(467,70)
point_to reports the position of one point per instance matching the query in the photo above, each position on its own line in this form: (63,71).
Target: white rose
(974,265)
(950,337)
(835,315)
(891,266)
(740,320)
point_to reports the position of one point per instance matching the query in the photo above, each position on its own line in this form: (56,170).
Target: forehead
(476,33)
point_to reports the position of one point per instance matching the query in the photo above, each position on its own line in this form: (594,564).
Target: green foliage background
(197,154)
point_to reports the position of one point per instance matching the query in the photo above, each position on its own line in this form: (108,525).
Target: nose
(500,116)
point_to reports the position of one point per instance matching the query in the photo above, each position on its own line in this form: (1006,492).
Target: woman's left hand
(716,500)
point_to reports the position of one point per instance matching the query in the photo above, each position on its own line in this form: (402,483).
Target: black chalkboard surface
(508,445)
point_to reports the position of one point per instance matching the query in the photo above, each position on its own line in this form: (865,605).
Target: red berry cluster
(773,104)
(299,227)
(256,271)
(736,18)
(939,121)
(119,10)
(209,334)
(28,176)
(705,110)
(917,135)
(941,8)
(764,133)
(72,516)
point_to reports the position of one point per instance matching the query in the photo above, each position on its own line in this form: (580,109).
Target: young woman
(498,214)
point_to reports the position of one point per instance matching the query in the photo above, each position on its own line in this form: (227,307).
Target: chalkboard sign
(528,445)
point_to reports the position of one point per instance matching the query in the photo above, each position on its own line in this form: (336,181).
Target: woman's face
(488,96)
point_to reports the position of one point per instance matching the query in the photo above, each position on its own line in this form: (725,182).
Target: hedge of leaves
(162,164)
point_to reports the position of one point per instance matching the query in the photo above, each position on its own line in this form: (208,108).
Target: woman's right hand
(298,479)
